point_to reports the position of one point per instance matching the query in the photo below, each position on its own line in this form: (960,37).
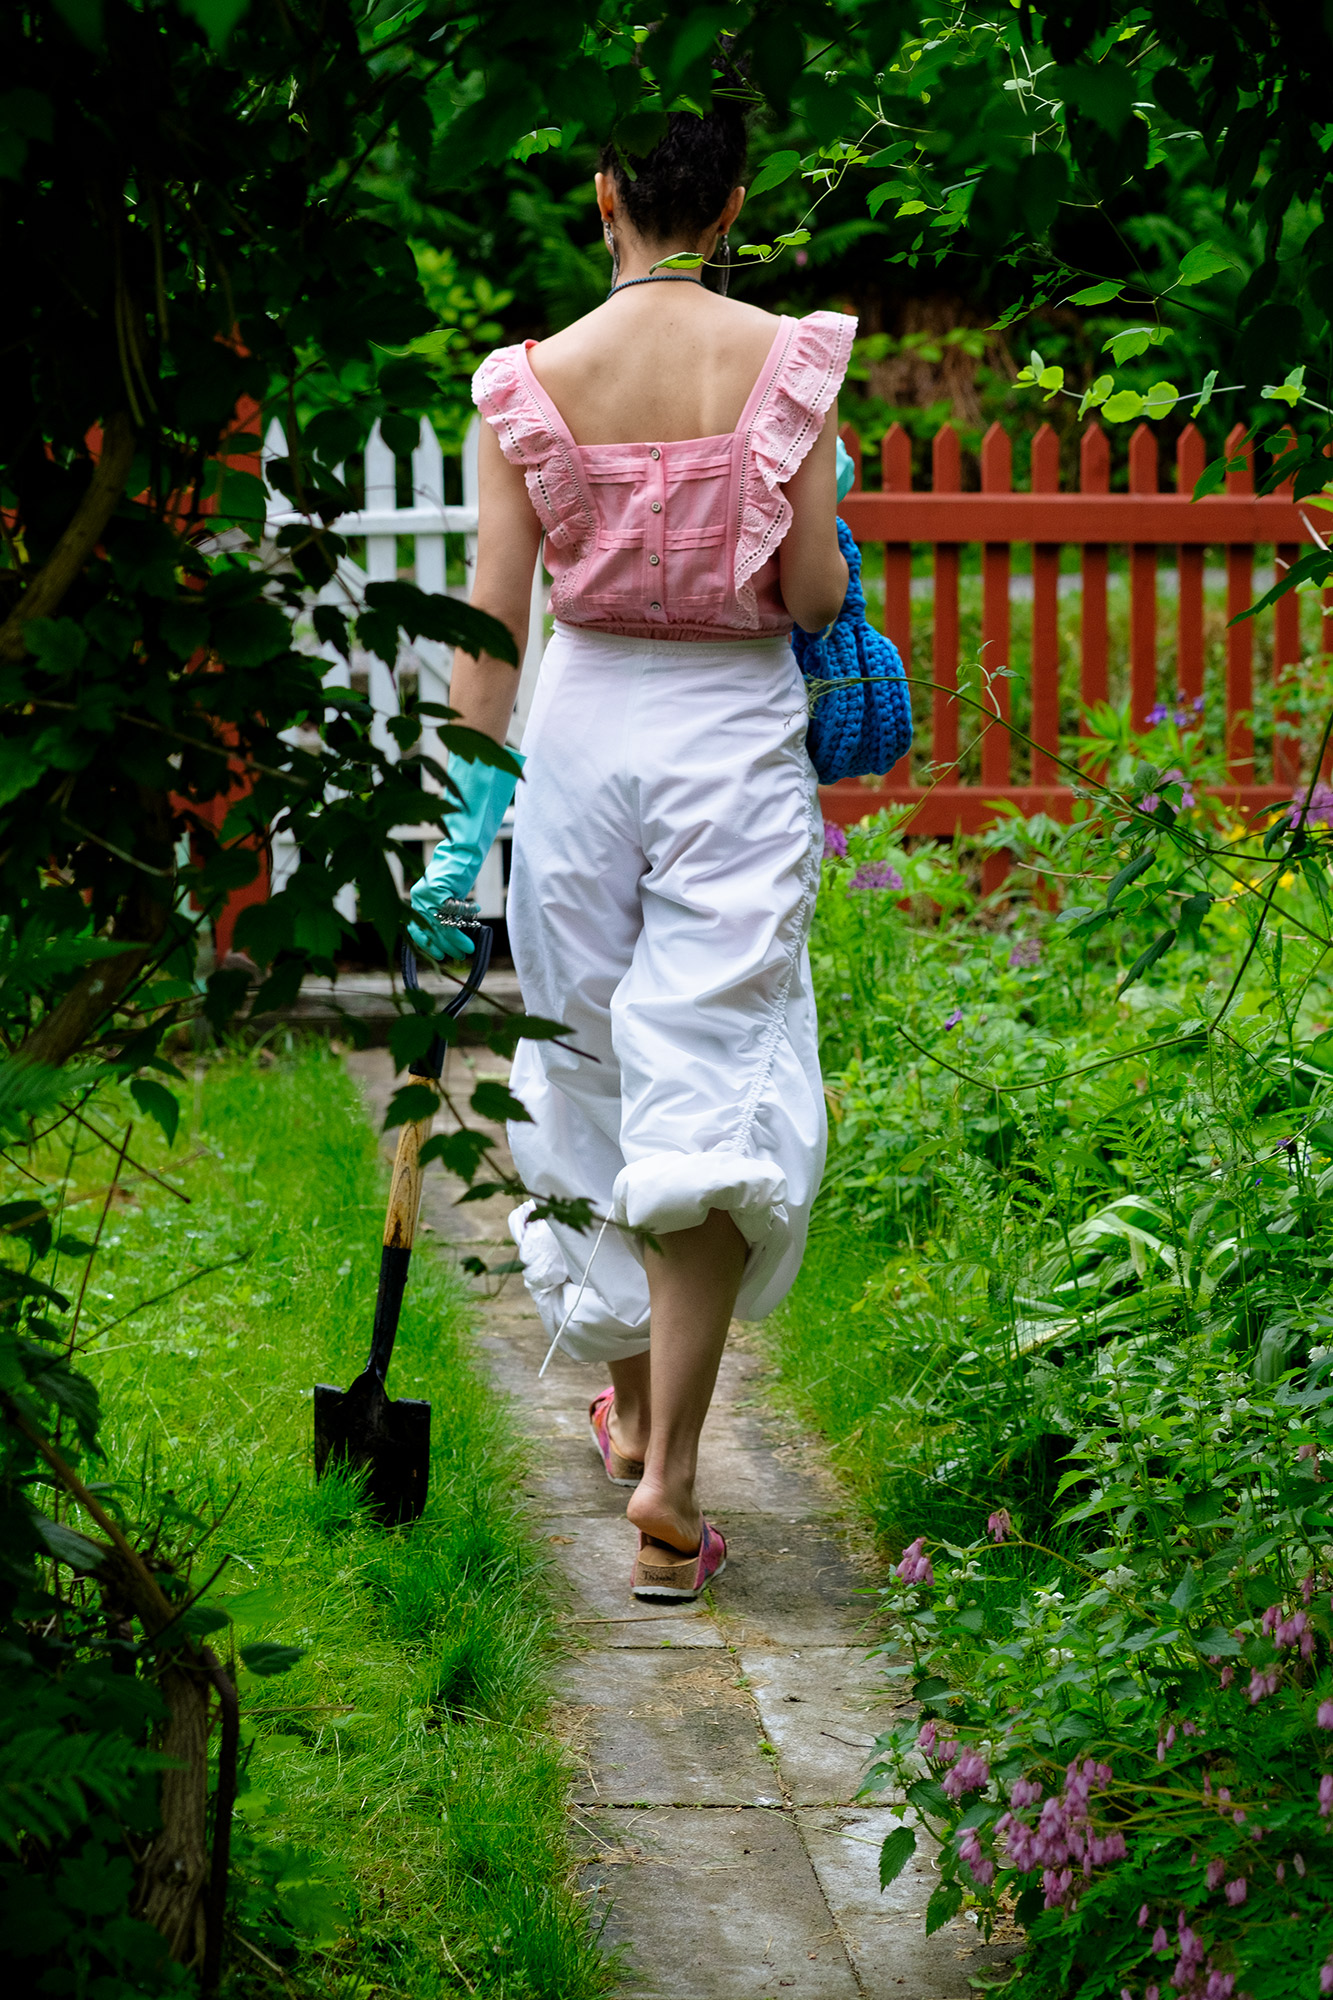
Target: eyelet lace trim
(781,431)
(527,440)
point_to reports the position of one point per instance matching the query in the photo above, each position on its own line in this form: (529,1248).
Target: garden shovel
(360,1427)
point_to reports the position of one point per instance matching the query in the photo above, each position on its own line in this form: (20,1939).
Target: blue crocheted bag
(860,706)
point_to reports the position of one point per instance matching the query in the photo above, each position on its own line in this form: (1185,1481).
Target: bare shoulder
(731,324)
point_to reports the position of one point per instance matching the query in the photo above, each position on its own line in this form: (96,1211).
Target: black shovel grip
(432,1063)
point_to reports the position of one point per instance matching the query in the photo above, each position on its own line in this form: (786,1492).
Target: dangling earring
(614,248)
(724,263)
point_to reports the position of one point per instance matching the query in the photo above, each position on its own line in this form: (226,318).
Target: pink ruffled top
(673,539)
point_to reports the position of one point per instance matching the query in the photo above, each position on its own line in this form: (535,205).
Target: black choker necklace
(658,278)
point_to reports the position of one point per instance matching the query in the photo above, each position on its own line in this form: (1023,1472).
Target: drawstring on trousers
(583,1283)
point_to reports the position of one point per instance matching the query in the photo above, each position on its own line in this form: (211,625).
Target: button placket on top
(654,532)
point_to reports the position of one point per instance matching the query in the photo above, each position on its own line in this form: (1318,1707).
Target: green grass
(402,1830)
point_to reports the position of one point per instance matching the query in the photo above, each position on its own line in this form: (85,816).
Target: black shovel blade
(360,1427)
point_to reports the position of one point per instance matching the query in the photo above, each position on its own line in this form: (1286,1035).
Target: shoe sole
(663,1593)
(597,1447)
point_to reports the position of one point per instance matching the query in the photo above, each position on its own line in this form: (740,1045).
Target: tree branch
(44,594)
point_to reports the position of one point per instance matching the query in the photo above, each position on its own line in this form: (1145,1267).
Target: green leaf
(1205,397)
(429,615)
(1159,947)
(641,131)
(217,18)
(409,1104)
(1129,873)
(249,635)
(1202,263)
(1291,391)
(1123,407)
(680,260)
(1104,92)
(67,1545)
(84,19)
(928,1797)
(59,643)
(1187,1592)
(1095,295)
(894,1855)
(943,1906)
(778,168)
(158,1103)
(1134,340)
(1218,1642)
(1096,394)
(461,1152)
(492,1100)
(266,1657)
(1161,399)
(911,208)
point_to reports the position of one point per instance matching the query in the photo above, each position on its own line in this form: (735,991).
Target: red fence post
(1045,620)
(896,463)
(1191,456)
(997,458)
(945,478)
(1286,653)
(1094,476)
(1142,587)
(1240,638)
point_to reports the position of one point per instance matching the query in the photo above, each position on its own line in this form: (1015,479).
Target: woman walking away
(676,449)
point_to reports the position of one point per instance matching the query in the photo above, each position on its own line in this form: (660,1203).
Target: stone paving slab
(664,1727)
(731,1873)
(713,1906)
(596,1556)
(884,1930)
(814,1705)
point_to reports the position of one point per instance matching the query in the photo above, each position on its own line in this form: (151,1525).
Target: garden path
(719,1748)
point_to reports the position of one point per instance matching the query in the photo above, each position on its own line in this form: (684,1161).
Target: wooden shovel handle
(405,1188)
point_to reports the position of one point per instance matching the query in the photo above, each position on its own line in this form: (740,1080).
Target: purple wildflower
(1216,1870)
(1326,1976)
(1026,1792)
(925,1739)
(1062,1838)
(1325,1805)
(953,1019)
(1025,954)
(1159,713)
(1262,1684)
(1151,800)
(1143,1916)
(981,1867)
(1160,1940)
(915,1566)
(1324,1715)
(1321,806)
(998,1525)
(1237,1891)
(969,1774)
(835,841)
(876,875)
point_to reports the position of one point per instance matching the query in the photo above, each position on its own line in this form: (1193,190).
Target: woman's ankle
(673,1519)
(629,1434)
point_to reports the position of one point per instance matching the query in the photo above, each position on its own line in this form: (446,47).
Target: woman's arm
(811,569)
(508,539)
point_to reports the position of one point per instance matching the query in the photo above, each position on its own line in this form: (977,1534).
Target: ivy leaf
(894,1855)
(778,168)
(1096,394)
(1104,92)
(1290,392)
(409,1105)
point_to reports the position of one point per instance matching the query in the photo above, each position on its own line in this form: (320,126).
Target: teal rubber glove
(846,471)
(453,868)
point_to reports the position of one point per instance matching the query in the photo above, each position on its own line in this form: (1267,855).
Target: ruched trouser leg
(666,858)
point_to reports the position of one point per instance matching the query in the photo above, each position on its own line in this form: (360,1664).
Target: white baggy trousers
(667,843)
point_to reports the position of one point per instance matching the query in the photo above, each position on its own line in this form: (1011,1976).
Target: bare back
(666,361)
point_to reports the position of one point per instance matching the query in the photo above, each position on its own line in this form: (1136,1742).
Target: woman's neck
(641,261)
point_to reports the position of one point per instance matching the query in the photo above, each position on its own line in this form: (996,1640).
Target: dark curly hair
(682,185)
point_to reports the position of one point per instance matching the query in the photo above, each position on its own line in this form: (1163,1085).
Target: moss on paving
(403,1826)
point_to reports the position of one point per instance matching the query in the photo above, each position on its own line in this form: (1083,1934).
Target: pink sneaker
(620,1471)
(680,1582)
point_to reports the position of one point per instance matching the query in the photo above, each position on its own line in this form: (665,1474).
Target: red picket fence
(1092,519)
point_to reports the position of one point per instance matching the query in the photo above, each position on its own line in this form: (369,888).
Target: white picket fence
(425,523)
